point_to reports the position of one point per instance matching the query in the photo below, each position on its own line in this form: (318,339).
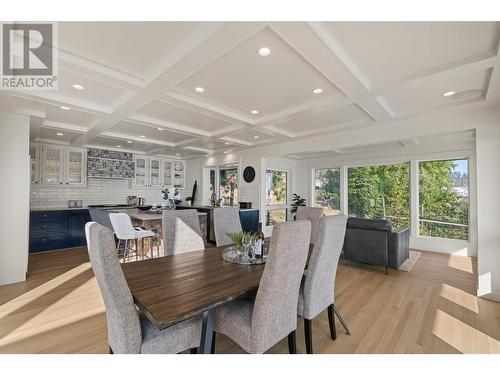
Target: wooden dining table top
(174,288)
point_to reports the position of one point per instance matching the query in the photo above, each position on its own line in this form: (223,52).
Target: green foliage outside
(383,192)
(276,192)
(228,183)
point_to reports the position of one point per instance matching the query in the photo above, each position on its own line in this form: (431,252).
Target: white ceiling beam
(127,137)
(64,126)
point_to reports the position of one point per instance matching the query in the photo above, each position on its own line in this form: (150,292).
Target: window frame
(286,205)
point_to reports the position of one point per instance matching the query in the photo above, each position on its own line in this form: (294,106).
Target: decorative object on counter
(172,196)
(71,203)
(189,201)
(195,188)
(110,164)
(213,200)
(297,201)
(141,201)
(78,203)
(145,208)
(132,200)
(245,205)
(249,174)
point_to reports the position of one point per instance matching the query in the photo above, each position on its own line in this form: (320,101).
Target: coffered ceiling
(190,89)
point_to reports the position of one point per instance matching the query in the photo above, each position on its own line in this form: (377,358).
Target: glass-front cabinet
(35,163)
(76,167)
(167,173)
(178,172)
(52,166)
(155,172)
(141,171)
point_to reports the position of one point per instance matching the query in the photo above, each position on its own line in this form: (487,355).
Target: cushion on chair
(174,339)
(234,320)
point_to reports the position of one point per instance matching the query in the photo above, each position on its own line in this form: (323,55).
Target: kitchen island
(249,218)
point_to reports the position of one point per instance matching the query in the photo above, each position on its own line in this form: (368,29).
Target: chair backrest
(314,215)
(226,220)
(275,310)
(319,283)
(100,216)
(181,231)
(124,329)
(122,225)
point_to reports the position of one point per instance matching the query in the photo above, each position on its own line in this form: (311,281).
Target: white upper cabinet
(158,172)
(76,167)
(35,163)
(155,169)
(52,166)
(141,171)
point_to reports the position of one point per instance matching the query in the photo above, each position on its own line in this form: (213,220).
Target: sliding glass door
(276,196)
(224,185)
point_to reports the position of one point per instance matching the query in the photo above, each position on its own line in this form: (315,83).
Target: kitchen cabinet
(57,229)
(158,172)
(53,165)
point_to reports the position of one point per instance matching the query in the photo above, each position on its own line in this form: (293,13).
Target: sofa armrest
(399,247)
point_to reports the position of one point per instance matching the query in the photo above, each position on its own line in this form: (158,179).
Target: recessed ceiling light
(129,141)
(65,108)
(226,143)
(449,93)
(160,129)
(76,86)
(256,137)
(60,134)
(227,152)
(317,91)
(177,154)
(264,51)
(254,112)
(142,136)
(199,89)
(206,155)
(118,146)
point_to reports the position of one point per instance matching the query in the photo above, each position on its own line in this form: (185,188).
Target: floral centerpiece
(171,195)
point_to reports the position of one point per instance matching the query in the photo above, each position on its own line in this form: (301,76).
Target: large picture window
(381,191)
(276,196)
(327,190)
(444,199)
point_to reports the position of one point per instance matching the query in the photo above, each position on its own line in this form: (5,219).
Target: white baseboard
(489,295)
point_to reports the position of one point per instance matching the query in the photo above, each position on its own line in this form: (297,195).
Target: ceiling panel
(386,51)
(252,136)
(112,142)
(209,144)
(134,48)
(430,92)
(323,119)
(241,81)
(151,132)
(95,92)
(52,134)
(55,113)
(166,112)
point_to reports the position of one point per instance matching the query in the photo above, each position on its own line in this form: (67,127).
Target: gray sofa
(373,241)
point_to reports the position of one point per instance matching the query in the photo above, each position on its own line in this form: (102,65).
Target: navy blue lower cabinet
(249,220)
(54,230)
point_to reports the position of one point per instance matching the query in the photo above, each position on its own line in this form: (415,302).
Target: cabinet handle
(67,183)
(36,182)
(44,226)
(60,183)
(45,215)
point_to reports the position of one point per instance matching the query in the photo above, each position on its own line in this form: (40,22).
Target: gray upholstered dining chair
(128,331)
(257,325)
(317,290)
(226,220)
(181,231)
(314,215)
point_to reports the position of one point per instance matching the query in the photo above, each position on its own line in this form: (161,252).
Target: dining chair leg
(308,335)
(212,350)
(193,350)
(331,321)
(125,251)
(292,342)
(110,350)
(344,324)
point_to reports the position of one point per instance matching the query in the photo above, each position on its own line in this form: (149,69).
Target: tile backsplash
(98,191)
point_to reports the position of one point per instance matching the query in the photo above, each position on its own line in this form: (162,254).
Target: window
(327,190)
(228,186)
(444,199)
(276,196)
(223,185)
(380,192)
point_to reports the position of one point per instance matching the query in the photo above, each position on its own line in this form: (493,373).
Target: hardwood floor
(431,309)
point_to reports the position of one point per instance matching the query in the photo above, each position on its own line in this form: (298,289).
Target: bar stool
(125,231)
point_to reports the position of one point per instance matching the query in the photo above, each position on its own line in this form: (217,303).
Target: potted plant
(189,201)
(297,201)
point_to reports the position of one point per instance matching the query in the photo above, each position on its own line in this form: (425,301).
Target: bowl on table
(144,208)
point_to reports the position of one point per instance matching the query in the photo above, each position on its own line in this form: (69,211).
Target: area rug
(411,261)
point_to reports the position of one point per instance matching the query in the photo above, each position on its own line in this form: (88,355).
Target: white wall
(14,190)
(488,208)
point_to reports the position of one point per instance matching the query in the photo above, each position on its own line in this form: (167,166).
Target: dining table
(174,288)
